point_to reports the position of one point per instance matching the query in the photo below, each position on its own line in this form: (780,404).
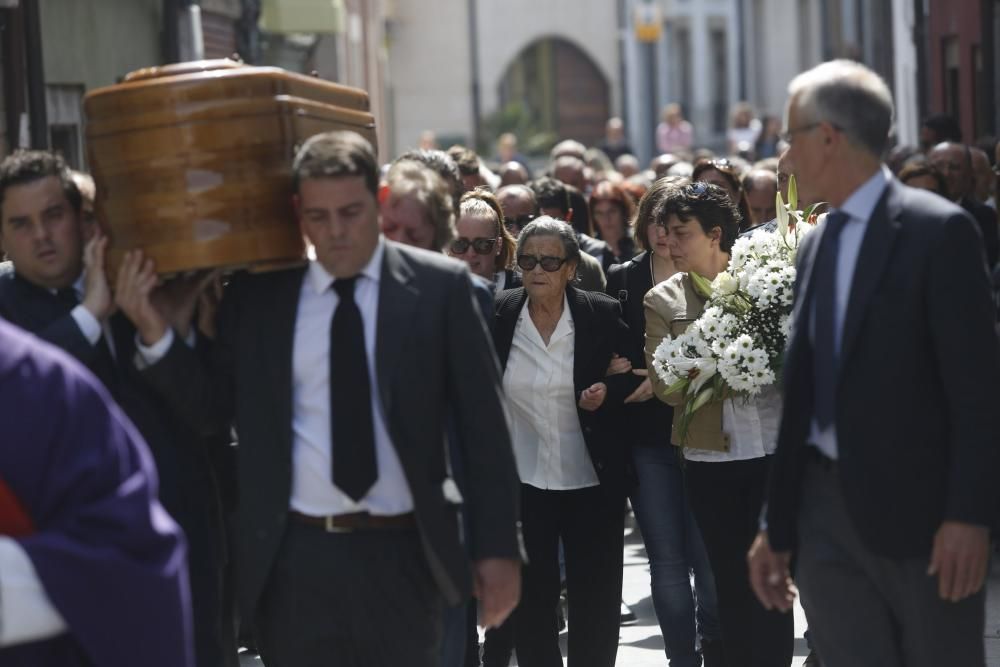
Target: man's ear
(569,216)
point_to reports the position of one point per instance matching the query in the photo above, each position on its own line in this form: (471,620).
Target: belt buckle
(331,528)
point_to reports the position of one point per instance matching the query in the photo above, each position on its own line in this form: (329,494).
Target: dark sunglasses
(549,264)
(520,222)
(480,245)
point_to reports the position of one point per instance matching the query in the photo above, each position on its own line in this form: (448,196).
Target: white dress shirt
(859,207)
(752,427)
(545,428)
(313,491)
(26,612)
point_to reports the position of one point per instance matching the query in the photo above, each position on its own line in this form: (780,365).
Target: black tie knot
(835,221)
(344,287)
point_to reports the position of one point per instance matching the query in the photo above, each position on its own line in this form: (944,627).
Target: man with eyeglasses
(954,160)
(883,484)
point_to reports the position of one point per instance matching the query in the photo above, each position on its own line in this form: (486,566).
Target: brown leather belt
(357,521)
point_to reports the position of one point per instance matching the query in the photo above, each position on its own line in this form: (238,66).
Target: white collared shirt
(752,427)
(859,206)
(545,428)
(313,491)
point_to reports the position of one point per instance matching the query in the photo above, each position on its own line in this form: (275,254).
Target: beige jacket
(670,307)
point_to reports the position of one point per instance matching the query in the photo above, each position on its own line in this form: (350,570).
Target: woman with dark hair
(728,444)
(673,542)
(727,176)
(611,209)
(555,344)
(483,241)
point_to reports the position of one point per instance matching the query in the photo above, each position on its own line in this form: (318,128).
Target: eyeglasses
(549,263)
(519,223)
(480,245)
(788,135)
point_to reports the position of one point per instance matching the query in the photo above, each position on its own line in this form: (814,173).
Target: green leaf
(793,193)
(679,386)
(702,399)
(702,285)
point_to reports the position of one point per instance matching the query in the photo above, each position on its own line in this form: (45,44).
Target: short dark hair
(334,155)
(551,193)
(709,204)
(944,126)
(580,218)
(27,166)
(468,162)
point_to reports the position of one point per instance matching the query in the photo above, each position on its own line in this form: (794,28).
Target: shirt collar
(564,326)
(862,202)
(321,279)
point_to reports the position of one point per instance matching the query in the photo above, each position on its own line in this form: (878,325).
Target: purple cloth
(110,558)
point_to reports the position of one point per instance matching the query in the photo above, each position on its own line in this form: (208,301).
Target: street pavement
(640,643)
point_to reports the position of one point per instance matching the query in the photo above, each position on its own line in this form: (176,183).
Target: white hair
(849,96)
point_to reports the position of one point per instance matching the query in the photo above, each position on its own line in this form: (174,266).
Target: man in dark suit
(954,160)
(340,378)
(884,483)
(56,288)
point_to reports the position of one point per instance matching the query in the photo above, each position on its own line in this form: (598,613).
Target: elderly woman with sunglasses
(555,344)
(482,240)
(728,445)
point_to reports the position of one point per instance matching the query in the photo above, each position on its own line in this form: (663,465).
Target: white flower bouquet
(736,347)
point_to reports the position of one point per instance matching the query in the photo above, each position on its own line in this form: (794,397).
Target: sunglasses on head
(480,245)
(697,189)
(549,263)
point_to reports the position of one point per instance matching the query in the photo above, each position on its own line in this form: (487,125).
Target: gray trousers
(864,609)
(361,599)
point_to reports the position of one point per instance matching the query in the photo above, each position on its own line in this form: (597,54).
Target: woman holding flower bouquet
(728,440)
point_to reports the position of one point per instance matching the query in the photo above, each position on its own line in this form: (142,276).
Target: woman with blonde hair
(482,239)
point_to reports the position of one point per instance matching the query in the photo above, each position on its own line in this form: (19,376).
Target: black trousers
(591,524)
(360,599)
(866,610)
(726,498)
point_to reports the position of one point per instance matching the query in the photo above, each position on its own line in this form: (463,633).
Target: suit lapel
(397,302)
(872,260)
(506,321)
(583,334)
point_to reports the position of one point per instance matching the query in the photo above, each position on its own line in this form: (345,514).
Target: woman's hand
(619,365)
(593,396)
(644,391)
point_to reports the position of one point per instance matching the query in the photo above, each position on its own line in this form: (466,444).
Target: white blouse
(752,426)
(545,428)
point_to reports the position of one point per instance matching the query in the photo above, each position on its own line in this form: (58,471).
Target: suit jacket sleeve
(620,386)
(198,383)
(488,458)
(961,321)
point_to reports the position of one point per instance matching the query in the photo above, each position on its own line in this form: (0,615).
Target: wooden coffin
(193,161)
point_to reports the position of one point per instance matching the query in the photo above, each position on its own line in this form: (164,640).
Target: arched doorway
(560,89)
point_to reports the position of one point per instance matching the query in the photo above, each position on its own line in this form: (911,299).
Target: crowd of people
(439,421)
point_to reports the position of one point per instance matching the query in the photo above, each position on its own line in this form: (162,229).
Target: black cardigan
(649,422)
(599,332)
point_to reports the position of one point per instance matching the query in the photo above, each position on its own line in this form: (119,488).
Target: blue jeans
(675,550)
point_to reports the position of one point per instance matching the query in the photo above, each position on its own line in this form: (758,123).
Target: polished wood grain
(193,161)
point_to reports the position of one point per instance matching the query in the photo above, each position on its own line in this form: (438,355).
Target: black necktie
(825,357)
(354,467)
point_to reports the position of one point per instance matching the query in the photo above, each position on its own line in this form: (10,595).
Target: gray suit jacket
(434,359)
